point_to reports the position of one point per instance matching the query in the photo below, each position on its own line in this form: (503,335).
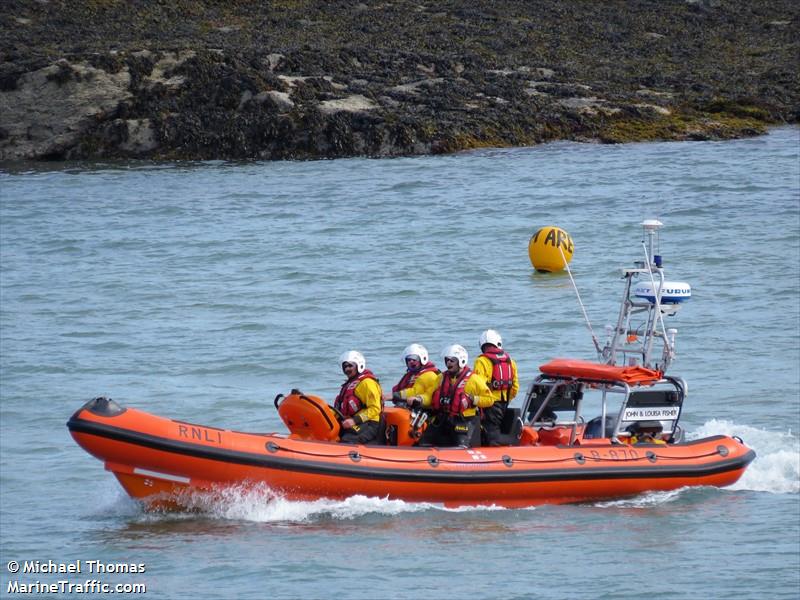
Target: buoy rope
(580,302)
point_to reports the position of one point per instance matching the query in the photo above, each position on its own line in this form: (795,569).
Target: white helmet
(490,336)
(457,352)
(417,350)
(355,357)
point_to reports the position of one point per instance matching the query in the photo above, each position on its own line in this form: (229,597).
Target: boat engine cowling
(308,417)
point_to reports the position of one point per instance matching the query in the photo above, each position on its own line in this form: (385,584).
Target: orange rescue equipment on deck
(584,369)
(308,417)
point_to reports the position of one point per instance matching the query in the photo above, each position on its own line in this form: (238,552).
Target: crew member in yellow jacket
(500,372)
(359,401)
(455,403)
(420,379)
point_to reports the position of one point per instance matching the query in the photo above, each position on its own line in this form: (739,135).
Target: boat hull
(159,460)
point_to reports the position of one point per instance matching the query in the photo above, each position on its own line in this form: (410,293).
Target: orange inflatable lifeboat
(551,458)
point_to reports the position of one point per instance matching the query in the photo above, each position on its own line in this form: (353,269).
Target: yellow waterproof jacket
(369,392)
(483,367)
(423,386)
(476,388)
(645,440)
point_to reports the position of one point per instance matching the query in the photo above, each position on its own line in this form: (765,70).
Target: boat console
(555,408)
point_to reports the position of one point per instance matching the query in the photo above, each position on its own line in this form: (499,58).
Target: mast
(649,296)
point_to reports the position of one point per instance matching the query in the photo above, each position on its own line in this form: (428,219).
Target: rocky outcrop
(51,108)
(296,79)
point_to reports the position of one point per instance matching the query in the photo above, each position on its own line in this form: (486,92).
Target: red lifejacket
(502,370)
(409,377)
(347,402)
(451,398)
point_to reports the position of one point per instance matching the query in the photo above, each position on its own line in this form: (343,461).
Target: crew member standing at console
(359,401)
(500,372)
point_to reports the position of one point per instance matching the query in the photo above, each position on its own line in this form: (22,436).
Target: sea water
(199,291)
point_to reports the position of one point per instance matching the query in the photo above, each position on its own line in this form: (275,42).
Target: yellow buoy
(543,249)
